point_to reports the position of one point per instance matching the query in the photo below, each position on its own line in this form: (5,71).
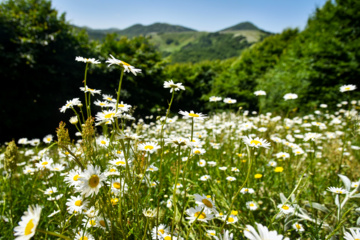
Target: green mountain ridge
(183,44)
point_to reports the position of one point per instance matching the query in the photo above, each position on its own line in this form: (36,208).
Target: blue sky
(201,15)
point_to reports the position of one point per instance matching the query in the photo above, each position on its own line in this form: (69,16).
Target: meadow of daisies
(184,175)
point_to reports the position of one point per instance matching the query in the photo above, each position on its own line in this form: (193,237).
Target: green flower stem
(85,76)
(192,128)
(188,233)
(53,234)
(147,223)
(237,193)
(174,192)
(161,159)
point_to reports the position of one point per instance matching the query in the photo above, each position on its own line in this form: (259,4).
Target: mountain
(139,29)
(185,44)
(242,26)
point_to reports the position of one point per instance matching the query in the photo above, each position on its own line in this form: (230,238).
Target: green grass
(163,164)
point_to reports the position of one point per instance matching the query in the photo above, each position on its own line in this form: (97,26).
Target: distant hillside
(242,26)
(139,29)
(184,44)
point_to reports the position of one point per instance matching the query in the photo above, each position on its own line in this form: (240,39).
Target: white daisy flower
(150,147)
(28,223)
(262,234)
(257,142)
(127,67)
(91,181)
(346,88)
(76,204)
(192,114)
(87,60)
(298,227)
(173,86)
(202,214)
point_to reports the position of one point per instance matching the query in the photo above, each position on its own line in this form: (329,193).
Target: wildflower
(282,155)
(150,147)
(251,205)
(258,175)
(28,223)
(337,190)
(102,141)
(298,227)
(158,231)
(215,99)
(247,190)
(74,120)
(204,201)
(262,234)
(199,151)
(234,169)
(354,234)
(311,136)
(173,86)
(204,178)
(102,222)
(23,141)
(260,93)
(48,138)
(272,163)
(191,114)
(279,169)
(83,236)
(150,213)
(76,204)
(201,163)
(70,104)
(89,222)
(50,190)
(45,163)
(231,179)
(91,181)
(202,214)
(257,142)
(87,60)
(290,96)
(118,162)
(152,168)
(127,67)
(347,88)
(106,116)
(231,219)
(73,178)
(285,208)
(90,90)
(229,100)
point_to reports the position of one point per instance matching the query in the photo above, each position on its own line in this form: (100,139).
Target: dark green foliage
(321,59)
(239,80)
(37,49)
(211,47)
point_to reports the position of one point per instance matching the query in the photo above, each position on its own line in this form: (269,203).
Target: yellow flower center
(121,105)
(124,63)
(347,88)
(120,162)
(76,177)
(49,139)
(94,181)
(102,223)
(109,98)
(167,238)
(201,216)
(299,227)
(193,115)
(212,234)
(109,115)
(29,226)
(161,231)
(234,213)
(256,142)
(84,238)
(114,201)
(207,203)
(251,204)
(149,147)
(50,191)
(45,163)
(113,170)
(231,219)
(197,152)
(103,142)
(116,185)
(92,222)
(151,169)
(285,207)
(78,203)
(258,175)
